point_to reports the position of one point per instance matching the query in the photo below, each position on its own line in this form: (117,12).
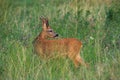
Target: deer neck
(42,36)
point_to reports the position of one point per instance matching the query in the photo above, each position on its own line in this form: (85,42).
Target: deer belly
(54,51)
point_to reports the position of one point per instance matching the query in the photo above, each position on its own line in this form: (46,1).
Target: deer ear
(42,17)
(44,28)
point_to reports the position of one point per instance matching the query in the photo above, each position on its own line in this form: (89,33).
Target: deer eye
(50,31)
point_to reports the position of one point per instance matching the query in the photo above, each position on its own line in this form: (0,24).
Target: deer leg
(76,63)
(78,60)
(72,57)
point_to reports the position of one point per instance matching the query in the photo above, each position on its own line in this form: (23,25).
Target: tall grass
(95,23)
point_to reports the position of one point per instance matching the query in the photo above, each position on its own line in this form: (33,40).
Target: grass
(96,24)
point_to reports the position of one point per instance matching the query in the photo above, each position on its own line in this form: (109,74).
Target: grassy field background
(95,22)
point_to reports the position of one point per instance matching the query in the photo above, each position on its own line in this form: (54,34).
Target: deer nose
(56,35)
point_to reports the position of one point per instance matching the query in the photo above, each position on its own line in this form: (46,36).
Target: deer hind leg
(72,57)
(76,58)
(79,61)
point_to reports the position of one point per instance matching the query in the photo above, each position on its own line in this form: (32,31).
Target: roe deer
(46,47)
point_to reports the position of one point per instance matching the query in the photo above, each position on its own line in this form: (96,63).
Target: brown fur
(47,48)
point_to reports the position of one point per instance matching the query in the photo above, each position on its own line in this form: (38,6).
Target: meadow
(95,22)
